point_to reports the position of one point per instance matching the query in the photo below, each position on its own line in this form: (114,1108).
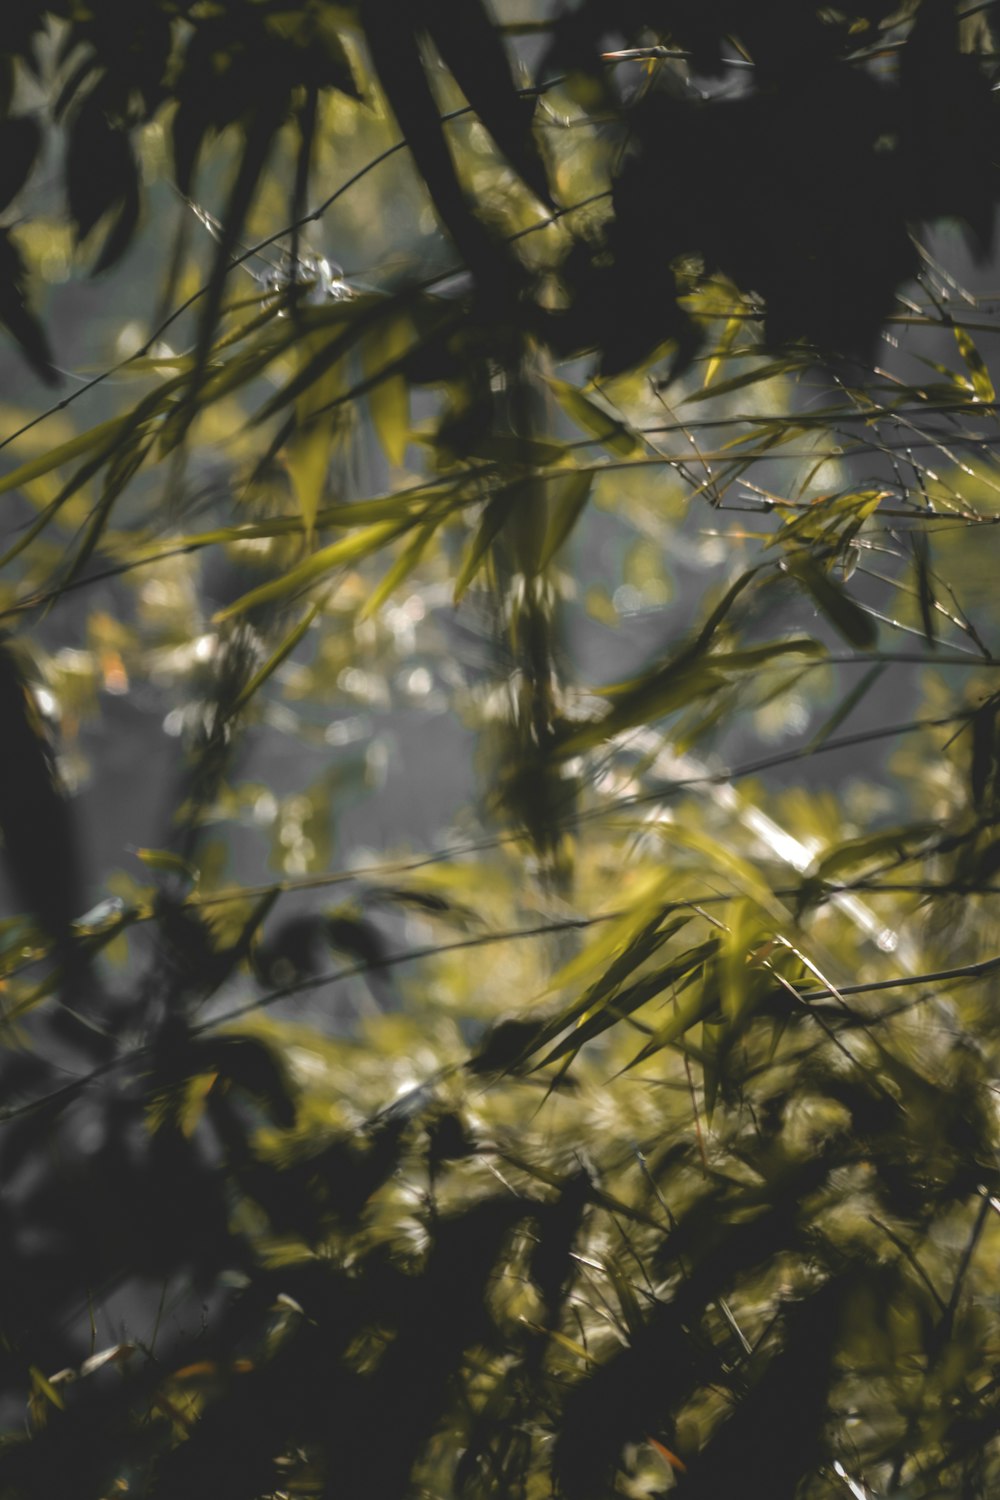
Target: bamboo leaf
(384,349)
(979,375)
(491,523)
(832,599)
(401,568)
(468,41)
(168,863)
(339,554)
(16,314)
(101,438)
(894,842)
(567,498)
(613,1007)
(847,705)
(701,1003)
(38,837)
(308,450)
(608,430)
(730,333)
(925,586)
(740,382)
(280,654)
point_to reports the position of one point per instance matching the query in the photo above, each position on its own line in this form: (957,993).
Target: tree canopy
(601,396)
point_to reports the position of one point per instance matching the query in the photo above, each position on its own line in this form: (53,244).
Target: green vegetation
(624,1121)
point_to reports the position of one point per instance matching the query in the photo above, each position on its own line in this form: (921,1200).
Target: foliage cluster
(641,1136)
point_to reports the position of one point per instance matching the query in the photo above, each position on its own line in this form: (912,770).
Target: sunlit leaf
(567,498)
(892,843)
(318,565)
(389,397)
(608,430)
(495,515)
(401,569)
(164,861)
(730,332)
(468,40)
(979,374)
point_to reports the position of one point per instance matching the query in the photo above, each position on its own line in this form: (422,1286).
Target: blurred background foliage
(501,772)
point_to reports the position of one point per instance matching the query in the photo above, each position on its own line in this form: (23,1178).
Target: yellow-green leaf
(568,496)
(607,429)
(833,601)
(100,438)
(274,661)
(350,550)
(389,397)
(722,348)
(308,450)
(979,375)
(491,523)
(169,863)
(401,568)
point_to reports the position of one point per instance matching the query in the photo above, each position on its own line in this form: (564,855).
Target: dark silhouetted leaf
(15,314)
(468,41)
(38,838)
(832,599)
(20,141)
(391,33)
(101,176)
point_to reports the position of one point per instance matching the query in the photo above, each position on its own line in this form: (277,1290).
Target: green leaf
(693,674)
(101,438)
(751,657)
(167,863)
(567,498)
(42,1386)
(608,430)
(307,452)
(740,382)
(124,465)
(662,693)
(468,41)
(101,175)
(702,1003)
(721,857)
(925,587)
(404,565)
(339,554)
(284,650)
(614,1007)
(393,43)
(393,507)
(893,842)
(979,375)
(742,935)
(384,351)
(491,523)
(713,1051)
(832,599)
(259,133)
(847,705)
(627,1299)
(623,947)
(729,335)
(829,517)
